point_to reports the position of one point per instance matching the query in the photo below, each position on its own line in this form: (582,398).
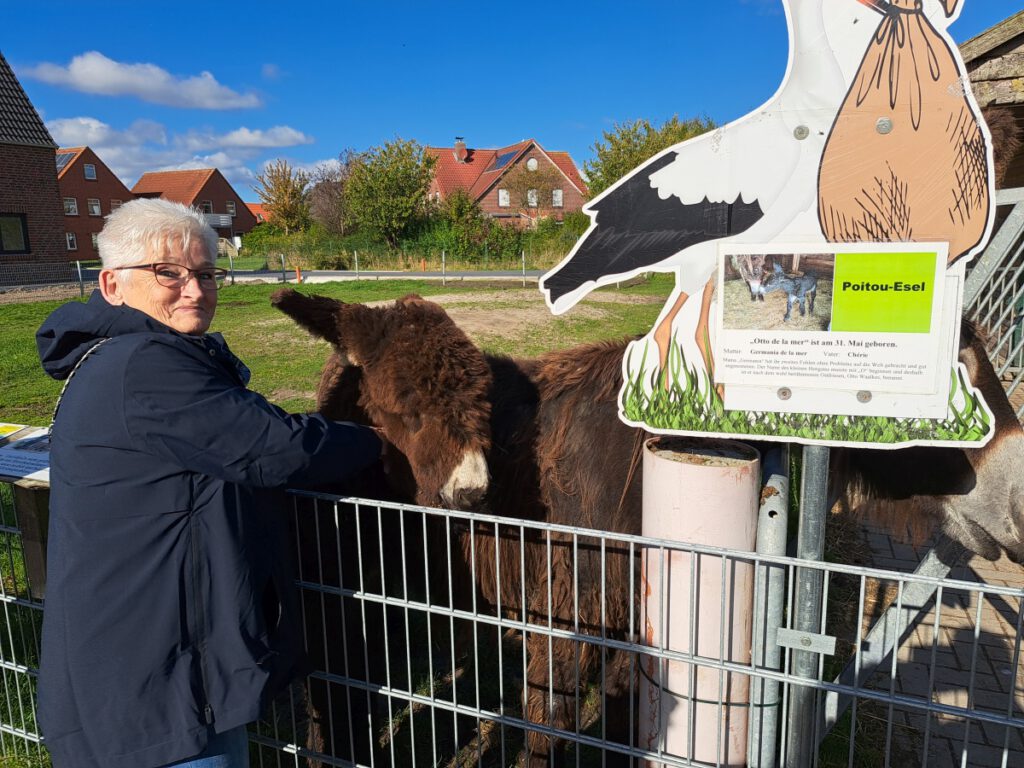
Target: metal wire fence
(417,662)
(59,279)
(999,306)
(418,665)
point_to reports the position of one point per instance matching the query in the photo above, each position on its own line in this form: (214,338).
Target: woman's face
(188,308)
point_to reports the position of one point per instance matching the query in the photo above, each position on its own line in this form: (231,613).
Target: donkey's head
(751,267)
(975,494)
(408,369)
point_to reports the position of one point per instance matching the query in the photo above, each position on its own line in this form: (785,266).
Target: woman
(169,612)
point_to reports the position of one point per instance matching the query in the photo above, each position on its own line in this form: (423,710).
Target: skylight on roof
(502,160)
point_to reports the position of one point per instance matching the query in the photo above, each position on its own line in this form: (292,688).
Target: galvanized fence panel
(994,296)
(60,279)
(20,624)
(415,666)
(447,638)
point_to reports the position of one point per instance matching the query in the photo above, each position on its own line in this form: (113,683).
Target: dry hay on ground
(742,313)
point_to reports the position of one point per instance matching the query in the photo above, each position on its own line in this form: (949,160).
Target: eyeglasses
(177,275)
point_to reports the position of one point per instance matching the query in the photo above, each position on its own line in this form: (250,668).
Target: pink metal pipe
(700,491)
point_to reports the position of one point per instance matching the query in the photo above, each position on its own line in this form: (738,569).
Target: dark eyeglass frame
(201,275)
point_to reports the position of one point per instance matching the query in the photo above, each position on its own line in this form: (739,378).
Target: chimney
(461,153)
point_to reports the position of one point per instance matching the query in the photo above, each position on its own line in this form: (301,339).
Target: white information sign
(25,455)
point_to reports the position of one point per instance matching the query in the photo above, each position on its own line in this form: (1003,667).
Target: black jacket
(165,548)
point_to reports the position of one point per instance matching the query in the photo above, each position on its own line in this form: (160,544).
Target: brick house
(206,190)
(31,220)
(89,191)
(481,172)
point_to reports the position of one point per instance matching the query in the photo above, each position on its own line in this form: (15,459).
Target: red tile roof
(568,167)
(179,186)
(478,174)
(261,213)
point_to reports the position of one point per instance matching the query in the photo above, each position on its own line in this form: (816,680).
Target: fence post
(523,257)
(802,721)
(231,268)
(284,277)
(443,274)
(81,282)
(769,607)
(356,256)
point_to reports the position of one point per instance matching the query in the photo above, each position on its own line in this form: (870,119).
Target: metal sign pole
(802,742)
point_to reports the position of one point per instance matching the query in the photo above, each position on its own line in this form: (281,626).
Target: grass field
(286,361)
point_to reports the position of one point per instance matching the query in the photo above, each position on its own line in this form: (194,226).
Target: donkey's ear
(319,315)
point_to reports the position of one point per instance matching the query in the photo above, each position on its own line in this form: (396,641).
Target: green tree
(629,144)
(530,190)
(387,188)
(459,225)
(282,190)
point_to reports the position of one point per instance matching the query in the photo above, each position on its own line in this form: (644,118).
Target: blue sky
(158,86)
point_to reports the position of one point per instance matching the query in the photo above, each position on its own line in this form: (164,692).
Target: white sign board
(852,161)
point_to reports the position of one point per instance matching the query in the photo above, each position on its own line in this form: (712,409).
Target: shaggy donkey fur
(557,452)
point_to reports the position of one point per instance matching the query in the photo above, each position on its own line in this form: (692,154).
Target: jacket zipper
(200,624)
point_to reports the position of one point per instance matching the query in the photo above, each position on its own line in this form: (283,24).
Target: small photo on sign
(778,291)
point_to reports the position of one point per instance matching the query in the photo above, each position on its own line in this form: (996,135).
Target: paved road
(327,276)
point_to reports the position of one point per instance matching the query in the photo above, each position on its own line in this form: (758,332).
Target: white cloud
(309,168)
(88,131)
(146,146)
(270,72)
(92,72)
(278,136)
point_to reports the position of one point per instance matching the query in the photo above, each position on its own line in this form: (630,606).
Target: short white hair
(148,228)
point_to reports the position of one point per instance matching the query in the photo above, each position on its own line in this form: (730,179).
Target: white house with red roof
(480,172)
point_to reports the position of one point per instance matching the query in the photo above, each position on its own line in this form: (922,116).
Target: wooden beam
(1005,67)
(993,37)
(999,92)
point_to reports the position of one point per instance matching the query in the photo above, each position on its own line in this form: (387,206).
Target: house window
(90,171)
(94,206)
(115,204)
(13,233)
(230,205)
(556,198)
(207,206)
(72,241)
(531,198)
(503,198)
(95,241)
(70,206)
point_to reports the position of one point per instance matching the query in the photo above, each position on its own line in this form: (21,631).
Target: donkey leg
(553,676)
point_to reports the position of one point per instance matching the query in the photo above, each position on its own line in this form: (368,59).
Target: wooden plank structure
(995,64)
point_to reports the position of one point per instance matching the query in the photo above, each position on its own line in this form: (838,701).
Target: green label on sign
(883,292)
